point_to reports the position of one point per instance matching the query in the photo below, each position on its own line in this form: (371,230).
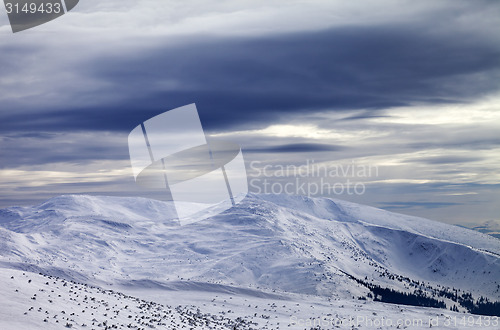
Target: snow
(268,249)
(33,301)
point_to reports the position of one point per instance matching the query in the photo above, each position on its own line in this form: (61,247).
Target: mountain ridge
(267,242)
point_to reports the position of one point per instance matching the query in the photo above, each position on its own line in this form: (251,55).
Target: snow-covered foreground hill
(269,249)
(32,301)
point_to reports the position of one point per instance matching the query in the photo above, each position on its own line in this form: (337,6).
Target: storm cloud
(245,82)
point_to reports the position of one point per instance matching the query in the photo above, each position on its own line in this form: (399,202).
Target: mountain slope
(292,244)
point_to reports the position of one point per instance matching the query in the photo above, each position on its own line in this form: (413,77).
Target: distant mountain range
(266,244)
(490,227)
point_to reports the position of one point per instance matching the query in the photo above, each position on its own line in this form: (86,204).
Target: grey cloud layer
(250,81)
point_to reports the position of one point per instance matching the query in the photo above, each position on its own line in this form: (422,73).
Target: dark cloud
(253,81)
(365,115)
(46,148)
(296,148)
(34,135)
(465,142)
(407,205)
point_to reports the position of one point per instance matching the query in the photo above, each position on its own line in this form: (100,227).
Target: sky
(406,93)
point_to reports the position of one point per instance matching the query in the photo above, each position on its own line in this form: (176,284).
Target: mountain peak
(288,243)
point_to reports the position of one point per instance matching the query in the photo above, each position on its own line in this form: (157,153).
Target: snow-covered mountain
(267,244)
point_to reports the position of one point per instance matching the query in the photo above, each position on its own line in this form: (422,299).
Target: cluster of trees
(414,299)
(481,306)
(417,298)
